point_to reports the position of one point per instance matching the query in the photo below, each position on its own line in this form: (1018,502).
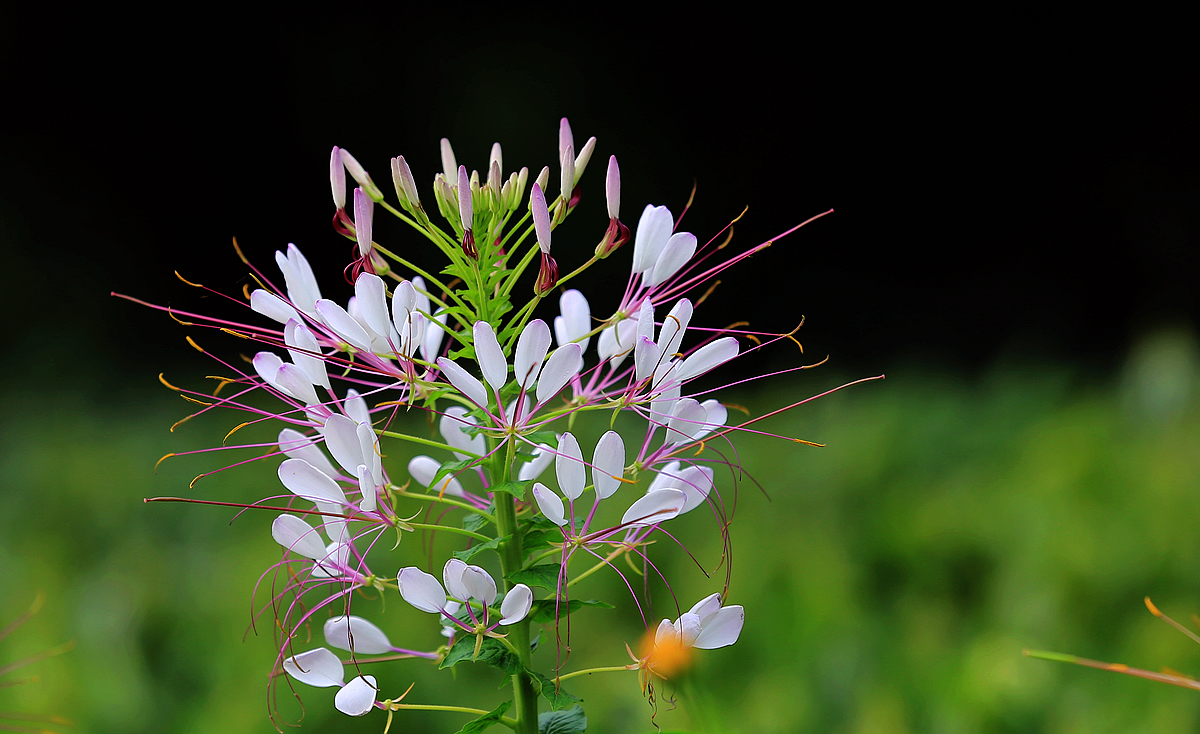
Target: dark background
(999,193)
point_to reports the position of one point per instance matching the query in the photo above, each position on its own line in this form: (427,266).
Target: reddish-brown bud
(616,235)
(468,245)
(547,276)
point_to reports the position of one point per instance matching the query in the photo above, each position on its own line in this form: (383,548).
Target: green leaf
(469,553)
(492,651)
(474,522)
(485,721)
(543,609)
(558,700)
(546,437)
(450,467)
(516,489)
(544,575)
(571,721)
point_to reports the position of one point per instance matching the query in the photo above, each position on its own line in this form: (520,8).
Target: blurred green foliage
(891,579)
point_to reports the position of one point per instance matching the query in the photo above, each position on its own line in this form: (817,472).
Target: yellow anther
(194,345)
(236,428)
(161,461)
(185,280)
(163,380)
(238,250)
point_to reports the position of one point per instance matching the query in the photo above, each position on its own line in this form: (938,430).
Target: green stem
(511,559)
(448,529)
(426,442)
(442,500)
(578,270)
(589,671)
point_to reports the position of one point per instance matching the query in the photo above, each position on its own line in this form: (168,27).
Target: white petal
(296,445)
(318,668)
(304,350)
(517,603)
(617,342)
(357,635)
(489,356)
(670,336)
(343,324)
(666,633)
(431,345)
(532,346)
(305,480)
(366,485)
(357,697)
(666,478)
(707,357)
(341,438)
(533,468)
(569,466)
(576,319)
(452,576)
(550,504)
(421,302)
(479,584)
(466,383)
(653,231)
(267,365)
(608,463)
(295,381)
(654,507)
(706,607)
(421,589)
(272,306)
(298,278)
(564,364)
(370,452)
(452,426)
(675,255)
(645,320)
(687,419)
(688,626)
(645,358)
(722,628)
(716,415)
(298,537)
(424,469)
(696,482)
(372,299)
(355,407)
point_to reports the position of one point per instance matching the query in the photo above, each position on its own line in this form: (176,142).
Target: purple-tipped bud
(449,166)
(584,156)
(543,178)
(359,174)
(337,178)
(364,210)
(541,218)
(496,157)
(566,182)
(406,185)
(565,140)
(547,275)
(612,188)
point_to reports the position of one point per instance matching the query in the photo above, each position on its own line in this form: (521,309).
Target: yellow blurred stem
(1174,680)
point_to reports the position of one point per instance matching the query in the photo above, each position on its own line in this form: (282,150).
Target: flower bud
(582,159)
(612,188)
(359,174)
(543,179)
(547,276)
(406,186)
(565,140)
(496,157)
(566,182)
(337,178)
(466,212)
(541,218)
(449,166)
(363,214)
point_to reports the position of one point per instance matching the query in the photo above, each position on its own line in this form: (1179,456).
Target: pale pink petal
(707,357)
(653,231)
(357,697)
(337,178)
(550,504)
(421,590)
(449,165)
(267,365)
(357,635)
(305,480)
(298,537)
(569,466)
(272,306)
(343,324)
(364,211)
(565,139)
(608,463)
(466,383)
(296,445)
(490,357)
(654,507)
(318,668)
(678,251)
(516,605)
(532,346)
(564,364)
(295,381)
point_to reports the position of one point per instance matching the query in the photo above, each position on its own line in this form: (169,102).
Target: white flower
(348,632)
(706,626)
(357,697)
(318,668)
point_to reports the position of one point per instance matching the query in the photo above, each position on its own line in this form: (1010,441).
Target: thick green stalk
(511,559)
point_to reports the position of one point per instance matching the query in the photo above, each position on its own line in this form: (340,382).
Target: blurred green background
(1015,245)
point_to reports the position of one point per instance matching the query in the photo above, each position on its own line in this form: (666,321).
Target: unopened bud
(496,157)
(337,178)
(565,140)
(541,218)
(584,156)
(449,166)
(406,185)
(543,178)
(466,212)
(547,275)
(364,210)
(566,182)
(359,174)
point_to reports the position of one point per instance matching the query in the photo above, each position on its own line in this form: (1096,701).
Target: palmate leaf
(469,553)
(559,699)
(516,488)
(571,721)
(492,651)
(487,720)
